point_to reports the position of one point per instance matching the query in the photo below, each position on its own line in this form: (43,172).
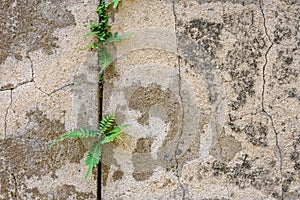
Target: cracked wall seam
(263,96)
(182,106)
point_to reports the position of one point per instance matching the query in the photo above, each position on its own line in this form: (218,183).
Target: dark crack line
(6,114)
(22,83)
(16,86)
(61,88)
(263,95)
(266,56)
(182,107)
(54,91)
(40,89)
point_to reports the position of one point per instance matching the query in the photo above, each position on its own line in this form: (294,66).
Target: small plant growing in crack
(101,30)
(108,129)
(107,132)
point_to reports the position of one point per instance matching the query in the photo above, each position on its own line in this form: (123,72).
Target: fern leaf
(93,157)
(91,33)
(116,3)
(105,59)
(114,133)
(92,46)
(111,137)
(107,122)
(76,134)
(117,38)
(118,128)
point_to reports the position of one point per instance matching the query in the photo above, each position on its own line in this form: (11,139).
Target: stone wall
(211,89)
(48,86)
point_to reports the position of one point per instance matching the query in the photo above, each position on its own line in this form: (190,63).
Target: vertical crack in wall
(6,114)
(100,112)
(263,95)
(182,108)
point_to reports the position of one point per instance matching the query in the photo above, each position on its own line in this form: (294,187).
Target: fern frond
(91,33)
(116,2)
(82,133)
(116,37)
(93,157)
(107,122)
(114,133)
(92,46)
(105,59)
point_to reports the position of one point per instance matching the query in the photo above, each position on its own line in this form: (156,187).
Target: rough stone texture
(211,89)
(48,86)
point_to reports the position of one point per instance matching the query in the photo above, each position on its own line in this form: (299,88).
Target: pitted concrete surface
(48,86)
(211,90)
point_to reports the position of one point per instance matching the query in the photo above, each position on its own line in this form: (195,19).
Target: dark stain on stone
(292,93)
(29,25)
(63,192)
(289,178)
(281,33)
(8,185)
(107,161)
(207,34)
(144,97)
(241,2)
(257,133)
(104,174)
(295,155)
(219,168)
(225,148)
(117,175)
(291,2)
(234,127)
(285,70)
(143,145)
(28,155)
(243,173)
(68,190)
(142,160)
(9,86)
(247,52)
(243,79)
(141,176)
(239,22)
(215,198)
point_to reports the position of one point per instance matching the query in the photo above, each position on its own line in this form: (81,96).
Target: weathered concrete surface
(211,90)
(48,86)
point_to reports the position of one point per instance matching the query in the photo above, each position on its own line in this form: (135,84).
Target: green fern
(93,157)
(107,132)
(107,122)
(116,3)
(104,59)
(101,30)
(117,38)
(81,133)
